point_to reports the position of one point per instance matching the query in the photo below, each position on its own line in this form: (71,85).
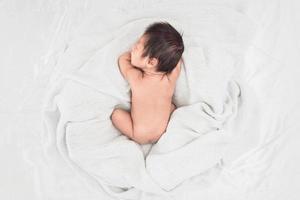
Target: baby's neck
(152,73)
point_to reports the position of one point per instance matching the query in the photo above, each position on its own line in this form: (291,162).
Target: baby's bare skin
(151,103)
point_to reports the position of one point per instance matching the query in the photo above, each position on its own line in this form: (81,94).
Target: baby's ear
(153,61)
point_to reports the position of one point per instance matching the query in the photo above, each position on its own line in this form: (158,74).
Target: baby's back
(151,103)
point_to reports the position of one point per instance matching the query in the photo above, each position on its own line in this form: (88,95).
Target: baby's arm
(128,71)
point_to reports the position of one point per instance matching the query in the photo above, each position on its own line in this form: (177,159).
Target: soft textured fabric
(201,138)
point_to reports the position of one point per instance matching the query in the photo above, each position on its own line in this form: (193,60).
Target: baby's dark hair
(164,43)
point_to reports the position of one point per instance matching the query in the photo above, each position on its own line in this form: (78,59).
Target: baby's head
(159,49)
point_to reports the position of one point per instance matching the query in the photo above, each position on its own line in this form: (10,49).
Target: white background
(27,30)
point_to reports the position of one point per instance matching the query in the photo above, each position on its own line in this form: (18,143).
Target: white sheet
(81,100)
(274,43)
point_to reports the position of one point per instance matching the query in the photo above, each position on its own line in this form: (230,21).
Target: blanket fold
(81,99)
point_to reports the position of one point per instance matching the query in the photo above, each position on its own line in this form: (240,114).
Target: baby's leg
(121,119)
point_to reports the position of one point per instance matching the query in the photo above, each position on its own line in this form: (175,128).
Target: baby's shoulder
(175,72)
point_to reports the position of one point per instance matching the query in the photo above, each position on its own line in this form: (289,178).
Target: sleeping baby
(151,68)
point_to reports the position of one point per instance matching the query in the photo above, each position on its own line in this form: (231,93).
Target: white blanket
(205,135)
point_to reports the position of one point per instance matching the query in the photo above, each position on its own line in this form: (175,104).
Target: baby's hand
(126,55)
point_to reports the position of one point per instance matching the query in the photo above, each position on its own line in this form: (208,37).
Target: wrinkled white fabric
(202,136)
